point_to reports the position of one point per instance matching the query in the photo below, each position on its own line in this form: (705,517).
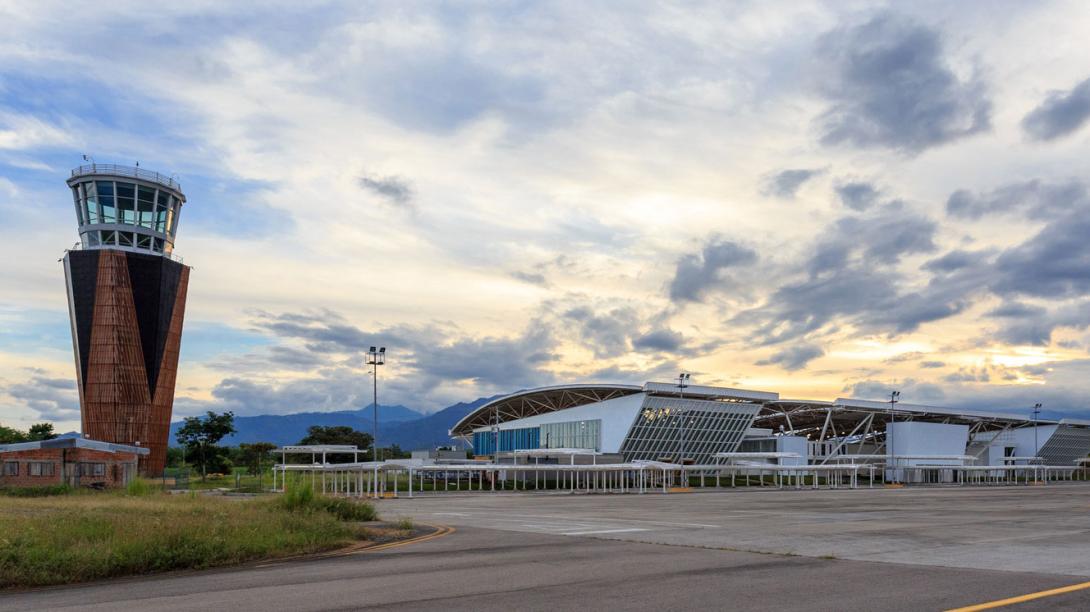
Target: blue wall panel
(484,442)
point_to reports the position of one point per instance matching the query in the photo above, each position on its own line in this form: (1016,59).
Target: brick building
(75,461)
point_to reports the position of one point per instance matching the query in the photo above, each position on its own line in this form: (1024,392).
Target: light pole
(375,359)
(496,435)
(1036,411)
(682,382)
(893,397)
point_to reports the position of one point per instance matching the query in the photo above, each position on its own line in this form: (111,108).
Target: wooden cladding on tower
(127,311)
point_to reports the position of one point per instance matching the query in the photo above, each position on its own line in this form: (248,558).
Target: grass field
(83,536)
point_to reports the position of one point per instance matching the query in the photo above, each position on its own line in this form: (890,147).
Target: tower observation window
(81,217)
(90,202)
(126,203)
(145,206)
(105,190)
(172,216)
(162,207)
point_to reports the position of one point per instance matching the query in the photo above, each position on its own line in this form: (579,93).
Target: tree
(253,455)
(202,434)
(41,431)
(10,435)
(175,457)
(337,434)
(37,432)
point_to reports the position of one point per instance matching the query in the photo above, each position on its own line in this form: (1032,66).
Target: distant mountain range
(398,425)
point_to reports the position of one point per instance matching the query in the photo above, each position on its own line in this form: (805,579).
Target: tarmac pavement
(656,552)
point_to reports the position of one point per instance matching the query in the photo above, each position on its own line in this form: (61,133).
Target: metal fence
(176,478)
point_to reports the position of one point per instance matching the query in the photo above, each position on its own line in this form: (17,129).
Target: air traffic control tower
(126,301)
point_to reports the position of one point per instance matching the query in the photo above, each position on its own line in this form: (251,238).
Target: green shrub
(42,491)
(405,524)
(348,510)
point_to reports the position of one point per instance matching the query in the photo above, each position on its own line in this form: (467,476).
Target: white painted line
(450,514)
(570,518)
(603,531)
(679,524)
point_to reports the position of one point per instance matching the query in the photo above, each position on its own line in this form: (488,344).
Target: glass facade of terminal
(484,442)
(684,429)
(131,214)
(571,434)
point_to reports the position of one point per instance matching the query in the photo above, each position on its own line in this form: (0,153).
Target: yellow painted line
(365,547)
(1023,598)
(443,531)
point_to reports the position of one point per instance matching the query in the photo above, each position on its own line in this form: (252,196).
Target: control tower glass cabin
(128,208)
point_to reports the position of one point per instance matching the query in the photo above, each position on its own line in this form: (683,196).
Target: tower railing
(171,256)
(117,170)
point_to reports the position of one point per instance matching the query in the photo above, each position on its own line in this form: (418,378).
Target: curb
(440,531)
(365,547)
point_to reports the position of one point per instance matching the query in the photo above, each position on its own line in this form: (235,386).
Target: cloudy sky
(823,199)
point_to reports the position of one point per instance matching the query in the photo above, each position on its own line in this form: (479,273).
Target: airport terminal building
(700,425)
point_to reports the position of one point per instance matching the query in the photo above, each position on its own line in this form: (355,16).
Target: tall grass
(297,496)
(138,487)
(300,497)
(82,537)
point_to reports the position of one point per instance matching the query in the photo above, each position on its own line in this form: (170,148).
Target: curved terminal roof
(539,401)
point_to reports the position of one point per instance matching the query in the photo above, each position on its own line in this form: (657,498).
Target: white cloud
(20,132)
(523,154)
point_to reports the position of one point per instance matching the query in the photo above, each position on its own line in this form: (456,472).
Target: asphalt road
(533,565)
